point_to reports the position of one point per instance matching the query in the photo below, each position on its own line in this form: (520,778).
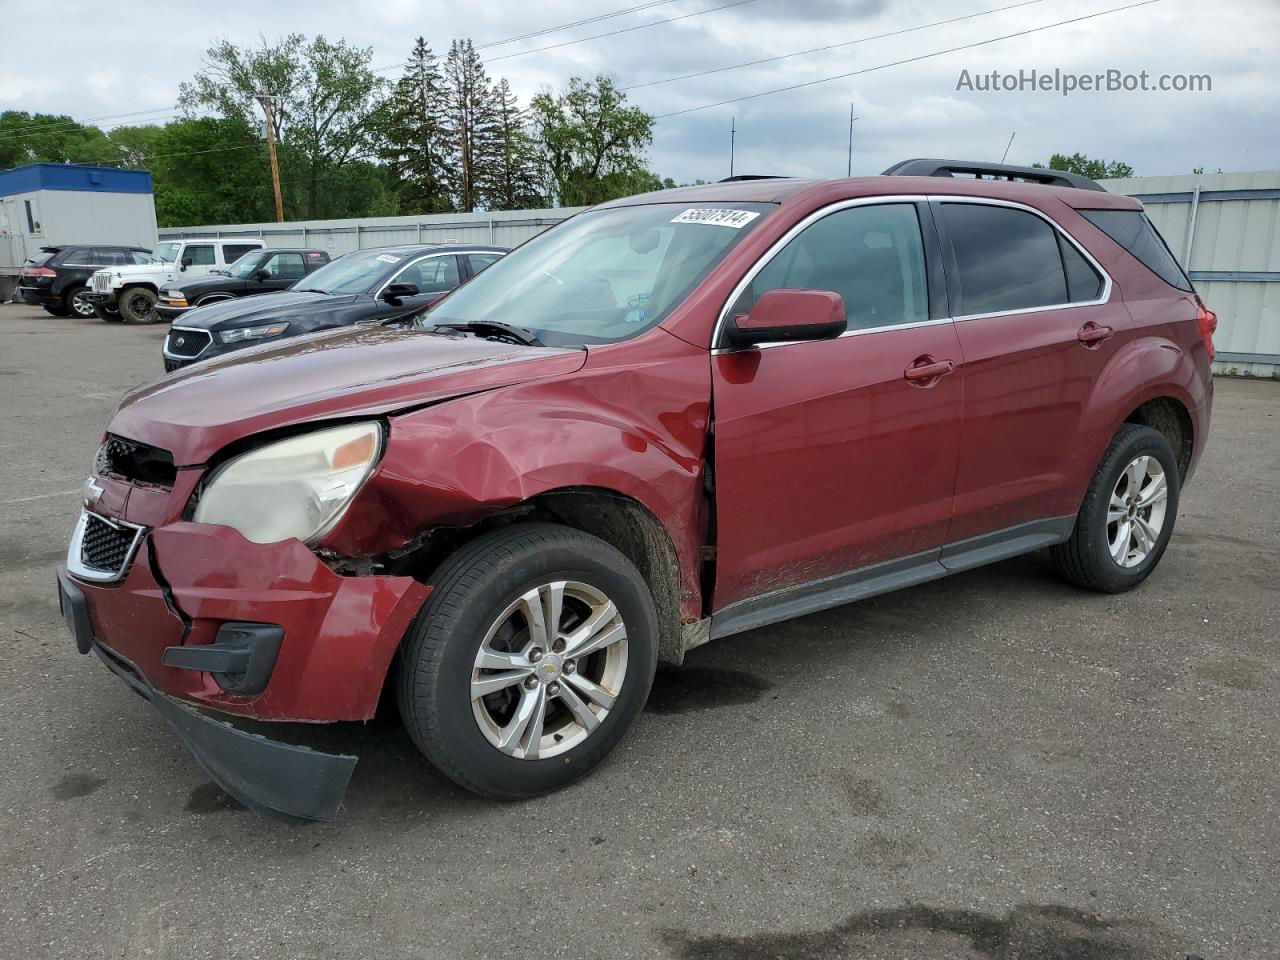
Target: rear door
(834,456)
(1036,331)
(476,262)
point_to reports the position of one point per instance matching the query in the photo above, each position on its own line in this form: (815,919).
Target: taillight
(38,272)
(1207,321)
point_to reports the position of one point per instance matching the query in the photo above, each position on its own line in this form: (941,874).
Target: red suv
(672,418)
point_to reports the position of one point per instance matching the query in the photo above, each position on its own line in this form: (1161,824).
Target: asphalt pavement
(992,766)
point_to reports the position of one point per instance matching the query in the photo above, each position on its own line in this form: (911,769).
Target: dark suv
(57,278)
(367,286)
(669,419)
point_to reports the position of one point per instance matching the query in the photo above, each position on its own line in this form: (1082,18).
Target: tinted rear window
(1006,259)
(1133,231)
(42,258)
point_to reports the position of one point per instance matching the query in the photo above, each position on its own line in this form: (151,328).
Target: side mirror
(187,261)
(783,315)
(261,275)
(396,291)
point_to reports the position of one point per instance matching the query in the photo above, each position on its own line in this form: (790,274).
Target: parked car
(369,285)
(259,271)
(57,278)
(669,419)
(130,292)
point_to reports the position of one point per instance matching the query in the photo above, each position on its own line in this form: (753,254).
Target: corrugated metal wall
(506,228)
(1225,228)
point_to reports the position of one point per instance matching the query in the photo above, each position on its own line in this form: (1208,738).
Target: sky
(132,56)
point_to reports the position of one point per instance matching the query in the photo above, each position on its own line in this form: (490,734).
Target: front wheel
(109,314)
(529,661)
(1127,516)
(138,305)
(78,304)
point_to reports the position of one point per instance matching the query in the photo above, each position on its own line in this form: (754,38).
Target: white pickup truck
(129,293)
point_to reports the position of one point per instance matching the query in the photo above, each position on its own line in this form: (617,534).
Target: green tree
(50,138)
(1093,169)
(591,143)
(471,122)
(416,143)
(511,180)
(325,100)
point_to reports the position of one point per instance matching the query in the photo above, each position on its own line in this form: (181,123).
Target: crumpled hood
(353,371)
(262,309)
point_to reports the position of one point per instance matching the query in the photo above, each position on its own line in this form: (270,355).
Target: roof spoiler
(991,171)
(753,176)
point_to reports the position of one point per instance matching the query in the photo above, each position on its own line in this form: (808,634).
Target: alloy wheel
(80,304)
(1136,511)
(550,669)
(140,306)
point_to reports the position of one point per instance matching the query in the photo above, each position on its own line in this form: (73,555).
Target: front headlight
(173,294)
(253,333)
(294,488)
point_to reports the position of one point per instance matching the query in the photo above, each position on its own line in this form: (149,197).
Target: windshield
(168,252)
(246,265)
(603,276)
(356,272)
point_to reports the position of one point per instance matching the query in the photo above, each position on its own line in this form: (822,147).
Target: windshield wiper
(496,330)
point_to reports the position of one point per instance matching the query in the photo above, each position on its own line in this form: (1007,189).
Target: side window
(285,266)
(1007,259)
(1083,282)
(434,275)
(234,251)
(479,261)
(873,256)
(200,254)
(1133,231)
(110,256)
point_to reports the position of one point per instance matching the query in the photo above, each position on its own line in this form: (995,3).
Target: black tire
(109,314)
(138,305)
(1085,559)
(54,309)
(472,588)
(76,305)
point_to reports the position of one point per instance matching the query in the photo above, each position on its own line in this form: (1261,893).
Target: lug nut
(553,688)
(570,667)
(530,683)
(535,655)
(558,646)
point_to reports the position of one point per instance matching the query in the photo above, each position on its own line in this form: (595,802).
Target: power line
(898,63)
(614,33)
(546,30)
(833,46)
(38,128)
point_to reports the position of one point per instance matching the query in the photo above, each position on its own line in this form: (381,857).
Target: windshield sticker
(737,219)
(388,258)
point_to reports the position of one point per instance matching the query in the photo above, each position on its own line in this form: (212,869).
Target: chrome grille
(185,343)
(101,283)
(102,548)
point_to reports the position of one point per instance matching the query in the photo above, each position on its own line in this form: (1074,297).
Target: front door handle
(1092,333)
(923,370)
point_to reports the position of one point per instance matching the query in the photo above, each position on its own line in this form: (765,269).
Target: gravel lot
(991,766)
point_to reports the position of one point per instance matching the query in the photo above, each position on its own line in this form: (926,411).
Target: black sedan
(258,271)
(369,285)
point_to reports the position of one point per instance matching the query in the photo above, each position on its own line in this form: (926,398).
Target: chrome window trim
(76,567)
(164,349)
(425,256)
(765,258)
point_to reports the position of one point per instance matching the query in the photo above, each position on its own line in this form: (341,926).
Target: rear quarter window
(1133,231)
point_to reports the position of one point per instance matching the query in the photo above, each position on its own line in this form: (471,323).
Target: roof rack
(753,176)
(991,171)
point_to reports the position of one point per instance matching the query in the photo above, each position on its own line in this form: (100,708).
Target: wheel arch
(1170,417)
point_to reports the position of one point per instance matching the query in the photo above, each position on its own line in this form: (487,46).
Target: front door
(831,457)
(433,275)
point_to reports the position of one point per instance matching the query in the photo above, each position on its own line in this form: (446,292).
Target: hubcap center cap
(549,667)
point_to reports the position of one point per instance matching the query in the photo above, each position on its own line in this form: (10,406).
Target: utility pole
(733,133)
(266,100)
(1008,145)
(849,169)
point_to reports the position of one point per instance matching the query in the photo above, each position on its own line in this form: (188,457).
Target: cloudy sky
(124,58)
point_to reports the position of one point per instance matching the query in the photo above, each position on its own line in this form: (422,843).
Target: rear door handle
(1092,333)
(926,368)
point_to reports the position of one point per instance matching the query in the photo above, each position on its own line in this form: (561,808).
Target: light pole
(849,170)
(733,133)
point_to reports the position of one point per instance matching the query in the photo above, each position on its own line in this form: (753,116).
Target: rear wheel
(56,309)
(109,314)
(138,305)
(78,304)
(530,660)
(1127,516)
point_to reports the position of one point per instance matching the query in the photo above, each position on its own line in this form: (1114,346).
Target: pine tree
(469,103)
(418,145)
(511,180)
